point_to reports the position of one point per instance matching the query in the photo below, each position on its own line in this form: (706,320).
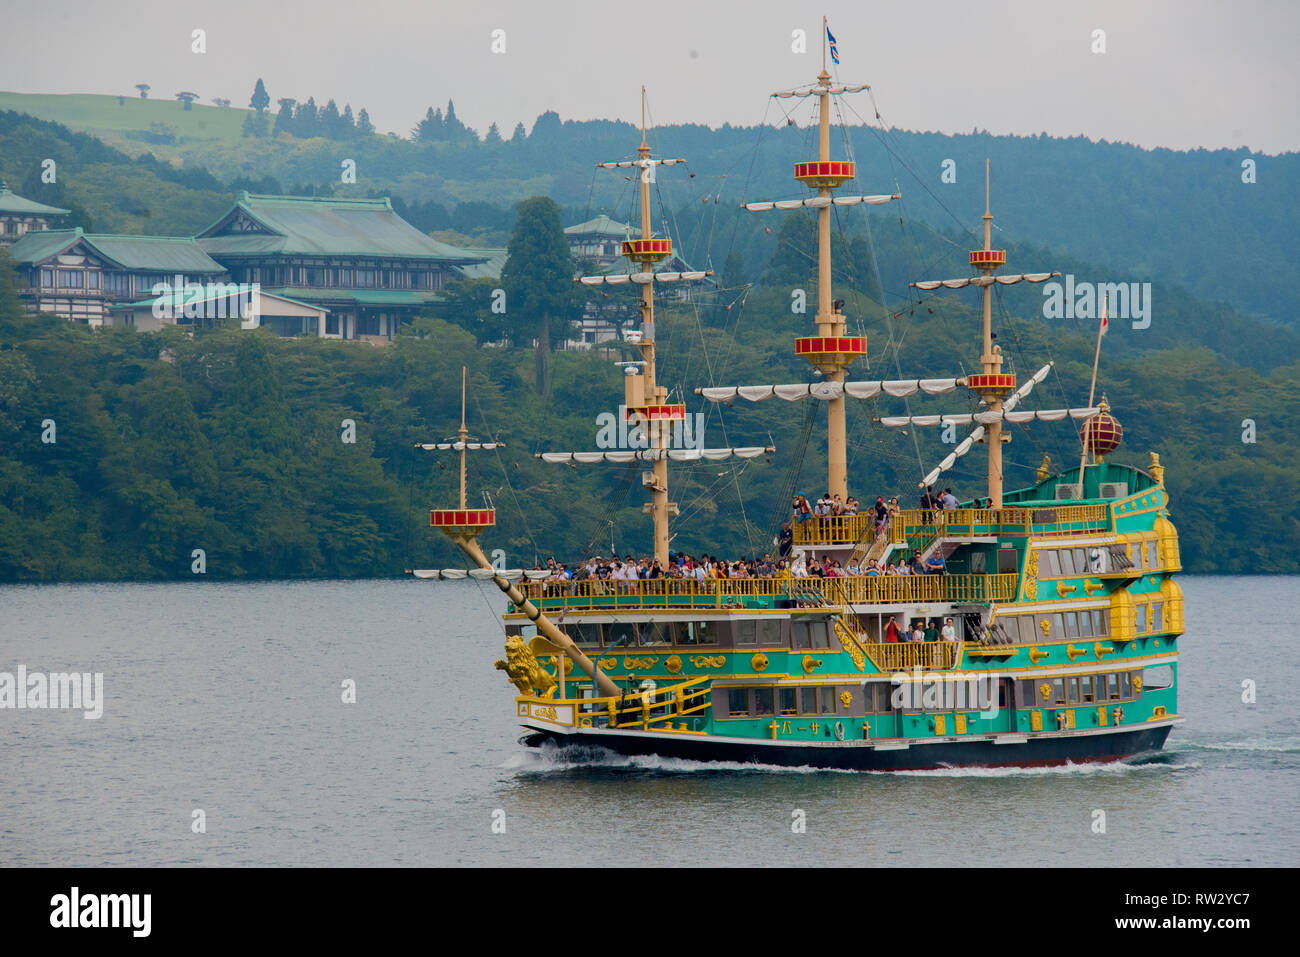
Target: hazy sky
(1176,73)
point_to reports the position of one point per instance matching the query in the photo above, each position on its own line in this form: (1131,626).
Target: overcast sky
(1176,73)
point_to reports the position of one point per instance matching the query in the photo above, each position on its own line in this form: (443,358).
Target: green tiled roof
(495,261)
(164,254)
(362,297)
(298,225)
(602,225)
(13,203)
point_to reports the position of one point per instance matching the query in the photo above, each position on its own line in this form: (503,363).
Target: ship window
(1125,684)
(1100,622)
(1139,618)
(978,563)
(744,631)
(1085,689)
(704,632)
(808,700)
(884,697)
(1085,624)
(787,699)
(1158,616)
(583,634)
(1161,676)
(1052,563)
(1058,690)
(1071,624)
(656,633)
(1071,691)
(817,629)
(1066,556)
(799,637)
(1058,625)
(1112,687)
(829,703)
(738,702)
(769,631)
(1080,561)
(1028,629)
(762,701)
(1008,561)
(1152,560)
(620,633)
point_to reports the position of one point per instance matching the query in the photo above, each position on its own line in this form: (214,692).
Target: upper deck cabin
(1116,531)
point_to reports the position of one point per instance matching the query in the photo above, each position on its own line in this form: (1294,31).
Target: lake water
(228,698)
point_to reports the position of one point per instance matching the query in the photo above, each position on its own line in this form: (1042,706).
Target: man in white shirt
(949,633)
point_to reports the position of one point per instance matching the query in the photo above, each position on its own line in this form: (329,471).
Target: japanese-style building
(355,258)
(79,276)
(598,240)
(19,216)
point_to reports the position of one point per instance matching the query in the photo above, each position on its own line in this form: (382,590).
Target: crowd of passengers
(787,563)
(681,566)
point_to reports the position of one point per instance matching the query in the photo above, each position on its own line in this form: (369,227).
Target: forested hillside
(232,442)
(123,453)
(1184,219)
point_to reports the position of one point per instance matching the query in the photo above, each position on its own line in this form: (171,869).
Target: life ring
(839,730)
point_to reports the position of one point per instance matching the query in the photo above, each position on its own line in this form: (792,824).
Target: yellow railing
(647,710)
(835,529)
(905,655)
(723,593)
(914,522)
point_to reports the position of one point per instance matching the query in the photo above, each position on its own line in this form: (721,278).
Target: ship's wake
(550,758)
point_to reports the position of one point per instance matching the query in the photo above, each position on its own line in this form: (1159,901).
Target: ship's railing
(906,655)
(916,523)
(708,593)
(835,529)
(918,527)
(662,709)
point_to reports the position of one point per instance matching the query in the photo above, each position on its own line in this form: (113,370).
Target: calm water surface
(228,698)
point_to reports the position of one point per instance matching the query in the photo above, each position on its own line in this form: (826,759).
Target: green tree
(364,126)
(261,99)
(538,280)
(284,119)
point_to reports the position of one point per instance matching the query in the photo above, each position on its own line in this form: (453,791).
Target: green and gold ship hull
(1067,618)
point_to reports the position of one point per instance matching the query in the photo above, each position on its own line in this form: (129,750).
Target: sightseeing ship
(1065,615)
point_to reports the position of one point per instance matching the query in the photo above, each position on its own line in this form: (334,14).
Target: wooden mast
(829,322)
(652,393)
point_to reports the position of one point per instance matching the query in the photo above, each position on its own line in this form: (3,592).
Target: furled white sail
(928,284)
(951,458)
(819,202)
(825,391)
(486,446)
(619,456)
(1024,390)
(639,163)
(641,278)
(818,91)
(988,417)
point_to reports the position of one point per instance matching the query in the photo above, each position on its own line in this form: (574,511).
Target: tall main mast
(646,401)
(830,351)
(993,385)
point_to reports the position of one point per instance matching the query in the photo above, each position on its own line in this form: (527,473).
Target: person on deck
(934,564)
(932,630)
(949,633)
(785,541)
(892,632)
(802,510)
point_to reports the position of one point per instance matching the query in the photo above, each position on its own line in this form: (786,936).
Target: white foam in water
(550,758)
(1279,748)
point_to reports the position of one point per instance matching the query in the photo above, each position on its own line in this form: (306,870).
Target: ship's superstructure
(1052,610)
